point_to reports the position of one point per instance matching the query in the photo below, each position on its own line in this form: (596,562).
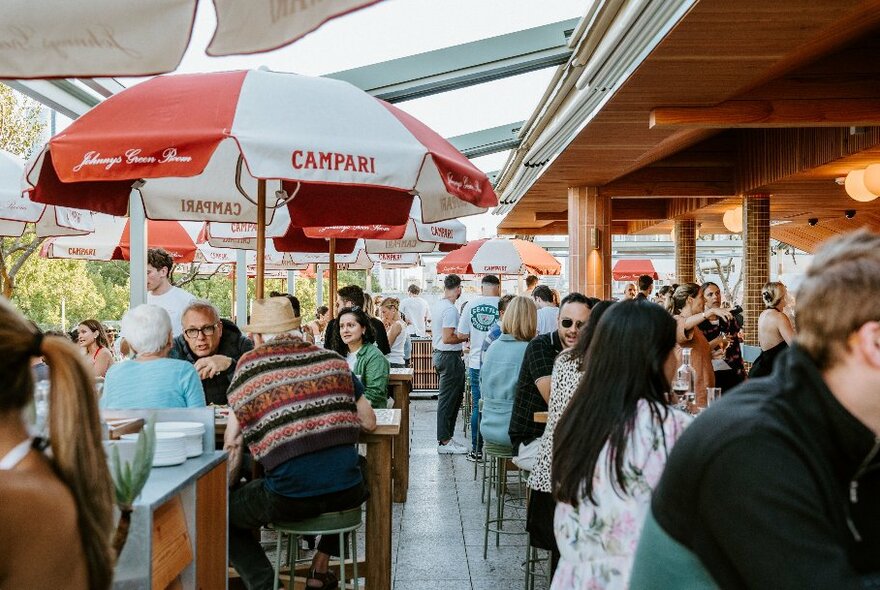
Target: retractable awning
(631,270)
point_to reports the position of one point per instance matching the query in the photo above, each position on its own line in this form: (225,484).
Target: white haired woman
(150,380)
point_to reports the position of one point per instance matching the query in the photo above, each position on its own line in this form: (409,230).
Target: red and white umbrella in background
(111,241)
(16,210)
(92,38)
(333,154)
(500,256)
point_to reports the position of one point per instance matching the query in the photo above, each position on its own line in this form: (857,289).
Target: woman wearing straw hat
(307,448)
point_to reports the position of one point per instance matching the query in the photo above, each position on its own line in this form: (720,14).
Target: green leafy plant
(129,479)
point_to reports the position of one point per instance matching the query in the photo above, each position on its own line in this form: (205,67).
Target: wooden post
(589,229)
(261,237)
(685,250)
(756,260)
(331,303)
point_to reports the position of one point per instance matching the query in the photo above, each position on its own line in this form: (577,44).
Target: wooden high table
(400,382)
(379,477)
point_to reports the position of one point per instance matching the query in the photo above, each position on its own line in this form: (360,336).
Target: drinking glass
(712,394)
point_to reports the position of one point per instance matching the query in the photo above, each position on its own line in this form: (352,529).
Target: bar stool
(533,562)
(496,457)
(329,523)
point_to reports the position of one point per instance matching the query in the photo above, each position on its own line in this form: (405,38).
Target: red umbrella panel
(631,270)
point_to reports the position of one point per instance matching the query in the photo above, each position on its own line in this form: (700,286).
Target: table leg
(378,525)
(401,444)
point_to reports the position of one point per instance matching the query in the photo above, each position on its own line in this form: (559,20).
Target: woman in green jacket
(355,343)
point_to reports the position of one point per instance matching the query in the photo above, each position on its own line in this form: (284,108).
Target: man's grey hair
(203,306)
(296,333)
(146,328)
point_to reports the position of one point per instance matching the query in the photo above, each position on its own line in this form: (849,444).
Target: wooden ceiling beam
(741,114)
(551,215)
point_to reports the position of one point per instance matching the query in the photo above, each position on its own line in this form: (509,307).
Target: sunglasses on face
(193,333)
(568,322)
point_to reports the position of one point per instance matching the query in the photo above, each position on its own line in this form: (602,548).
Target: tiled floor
(438,532)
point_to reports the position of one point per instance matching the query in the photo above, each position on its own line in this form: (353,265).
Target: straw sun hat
(272,316)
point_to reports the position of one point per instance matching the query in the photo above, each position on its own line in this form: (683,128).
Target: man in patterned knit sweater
(299,410)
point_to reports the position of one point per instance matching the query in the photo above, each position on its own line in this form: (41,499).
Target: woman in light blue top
(151,380)
(500,370)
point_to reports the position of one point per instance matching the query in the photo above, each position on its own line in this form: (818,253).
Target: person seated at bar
(533,382)
(56,508)
(500,369)
(355,339)
(395,329)
(213,345)
(353,296)
(92,338)
(611,445)
(568,370)
(151,379)
(317,326)
(299,410)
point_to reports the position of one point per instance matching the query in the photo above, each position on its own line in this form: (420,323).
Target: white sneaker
(453,447)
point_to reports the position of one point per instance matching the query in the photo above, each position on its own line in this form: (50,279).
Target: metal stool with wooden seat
(495,457)
(329,523)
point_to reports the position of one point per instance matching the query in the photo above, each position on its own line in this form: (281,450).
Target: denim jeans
(252,506)
(450,369)
(476,439)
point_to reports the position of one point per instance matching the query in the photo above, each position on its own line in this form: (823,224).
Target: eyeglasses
(567,323)
(193,333)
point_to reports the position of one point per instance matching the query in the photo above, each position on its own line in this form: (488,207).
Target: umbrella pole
(331,299)
(261,236)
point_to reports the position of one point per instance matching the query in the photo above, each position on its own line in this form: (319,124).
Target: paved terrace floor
(438,532)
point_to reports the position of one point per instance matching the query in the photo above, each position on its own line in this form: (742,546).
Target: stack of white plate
(170,448)
(193,431)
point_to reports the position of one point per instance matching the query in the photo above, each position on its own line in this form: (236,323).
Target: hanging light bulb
(733,219)
(856,189)
(872,179)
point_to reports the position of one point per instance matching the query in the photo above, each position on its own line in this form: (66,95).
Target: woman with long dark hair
(611,445)
(93,340)
(688,308)
(56,509)
(568,370)
(355,342)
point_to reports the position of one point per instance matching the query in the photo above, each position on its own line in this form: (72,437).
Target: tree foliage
(21,130)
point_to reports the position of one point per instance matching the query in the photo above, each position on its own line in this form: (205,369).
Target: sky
(397,28)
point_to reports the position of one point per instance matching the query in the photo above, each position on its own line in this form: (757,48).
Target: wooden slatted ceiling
(720,50)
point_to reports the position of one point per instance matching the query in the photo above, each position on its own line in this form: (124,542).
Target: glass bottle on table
(685,380)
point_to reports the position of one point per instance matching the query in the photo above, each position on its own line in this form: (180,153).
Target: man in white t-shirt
(547,312)
(477,318)
(449,366)
(415,309)
(161,292)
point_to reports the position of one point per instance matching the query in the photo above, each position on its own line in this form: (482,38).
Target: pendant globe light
(856,188)
(733,219)
(872,179)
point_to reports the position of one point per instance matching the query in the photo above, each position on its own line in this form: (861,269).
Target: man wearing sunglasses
(533,385)
(213,345)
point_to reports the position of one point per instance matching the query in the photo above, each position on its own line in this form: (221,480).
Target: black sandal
(328,580)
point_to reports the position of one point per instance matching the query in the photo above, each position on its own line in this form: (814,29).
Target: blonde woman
(56,509)
(775,331)
(389,313)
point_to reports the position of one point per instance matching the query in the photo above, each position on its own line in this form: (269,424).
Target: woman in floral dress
(611,446)
(568,370)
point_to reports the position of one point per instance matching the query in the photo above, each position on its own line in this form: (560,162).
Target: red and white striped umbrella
(341,156)
(91,38)
(16,211)
(110,241)
(499,256)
